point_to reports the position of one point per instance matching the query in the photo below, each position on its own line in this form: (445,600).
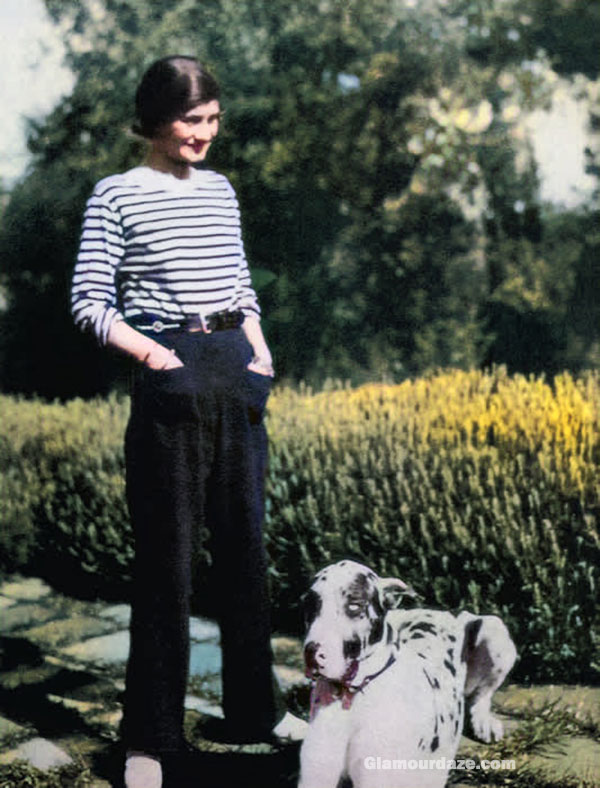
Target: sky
(559,139)
(34,79)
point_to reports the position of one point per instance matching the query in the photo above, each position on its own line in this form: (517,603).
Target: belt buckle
(158,326)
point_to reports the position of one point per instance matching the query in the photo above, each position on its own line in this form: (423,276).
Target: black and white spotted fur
(393,683)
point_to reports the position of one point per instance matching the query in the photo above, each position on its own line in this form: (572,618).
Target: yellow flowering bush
(482,489)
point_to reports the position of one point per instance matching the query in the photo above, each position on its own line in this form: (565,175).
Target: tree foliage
(390,210)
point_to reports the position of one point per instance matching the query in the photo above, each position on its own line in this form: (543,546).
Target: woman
(161,276)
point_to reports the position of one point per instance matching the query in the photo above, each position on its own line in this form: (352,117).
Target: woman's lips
(197,147)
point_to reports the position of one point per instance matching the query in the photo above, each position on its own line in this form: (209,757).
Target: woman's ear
(392,591)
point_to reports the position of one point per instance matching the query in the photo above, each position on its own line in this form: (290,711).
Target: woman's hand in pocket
(142,348)
(162,358)
(262,365)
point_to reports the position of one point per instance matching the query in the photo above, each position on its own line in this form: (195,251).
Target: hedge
(479,488)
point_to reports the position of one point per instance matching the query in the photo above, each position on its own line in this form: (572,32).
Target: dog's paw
(485,726)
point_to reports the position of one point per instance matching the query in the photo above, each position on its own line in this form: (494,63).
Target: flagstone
(23,616)
(106,649)
(200,628)
(205,659)
(112,718)
(24,676)
(100,691)
(66,630)
(194,703)
(289,677)
(209,687)
(81,706)
(288,650)
(40,753)
(119,613)
(10,729)
(203,629)
(30,588)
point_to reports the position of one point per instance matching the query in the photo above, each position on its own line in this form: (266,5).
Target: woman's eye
(192,120)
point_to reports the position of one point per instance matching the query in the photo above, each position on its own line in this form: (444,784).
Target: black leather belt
(218,321)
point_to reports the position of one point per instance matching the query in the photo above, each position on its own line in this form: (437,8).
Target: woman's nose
(204,131)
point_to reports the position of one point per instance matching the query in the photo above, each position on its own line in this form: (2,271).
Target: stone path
(62,666)
(62,674)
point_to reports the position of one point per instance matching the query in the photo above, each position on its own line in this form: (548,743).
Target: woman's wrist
(147,352)
(159,357)
(136,345)
(263,353)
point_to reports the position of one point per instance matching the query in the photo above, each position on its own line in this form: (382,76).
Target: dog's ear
(472,628)
(392,592)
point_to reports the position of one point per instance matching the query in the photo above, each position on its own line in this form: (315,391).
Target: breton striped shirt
(162,247)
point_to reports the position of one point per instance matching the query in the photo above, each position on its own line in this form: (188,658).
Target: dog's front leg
(490,654)
(323,753)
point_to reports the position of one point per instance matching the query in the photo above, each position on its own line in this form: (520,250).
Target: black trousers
(196,450)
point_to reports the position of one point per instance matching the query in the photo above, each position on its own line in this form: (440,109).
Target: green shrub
(482,490)
(67,517)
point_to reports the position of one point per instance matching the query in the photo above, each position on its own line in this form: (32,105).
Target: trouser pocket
(168,395)
(258,388)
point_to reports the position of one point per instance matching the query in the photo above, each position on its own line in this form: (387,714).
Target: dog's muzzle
(311,662)
(314,663)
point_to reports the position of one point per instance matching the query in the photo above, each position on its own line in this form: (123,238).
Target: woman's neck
(156,160)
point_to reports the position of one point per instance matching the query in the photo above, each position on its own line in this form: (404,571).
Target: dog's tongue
(326,691)
(350,673)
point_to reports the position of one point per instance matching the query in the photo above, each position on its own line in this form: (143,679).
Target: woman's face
(187,139)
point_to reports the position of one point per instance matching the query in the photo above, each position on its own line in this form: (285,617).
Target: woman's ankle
(141,754)
(142,771)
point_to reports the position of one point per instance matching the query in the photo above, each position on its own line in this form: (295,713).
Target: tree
(374,150)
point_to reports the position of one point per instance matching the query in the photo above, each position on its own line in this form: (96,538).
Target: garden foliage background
(389,194)
(394,225)
(480,489)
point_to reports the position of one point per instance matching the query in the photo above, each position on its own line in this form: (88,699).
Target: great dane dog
(390,686)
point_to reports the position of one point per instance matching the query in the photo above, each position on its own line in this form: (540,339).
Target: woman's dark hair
(169,88)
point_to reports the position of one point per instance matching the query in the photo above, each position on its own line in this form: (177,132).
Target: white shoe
(142,771)
(291,728)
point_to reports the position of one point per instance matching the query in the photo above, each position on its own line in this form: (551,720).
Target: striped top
(162,247)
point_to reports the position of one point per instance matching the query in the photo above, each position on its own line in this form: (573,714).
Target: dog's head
(345,610)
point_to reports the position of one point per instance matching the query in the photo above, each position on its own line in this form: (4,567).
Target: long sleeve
(246,299)
(94,300)
(245,295)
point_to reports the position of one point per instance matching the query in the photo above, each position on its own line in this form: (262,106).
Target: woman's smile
(198,146)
